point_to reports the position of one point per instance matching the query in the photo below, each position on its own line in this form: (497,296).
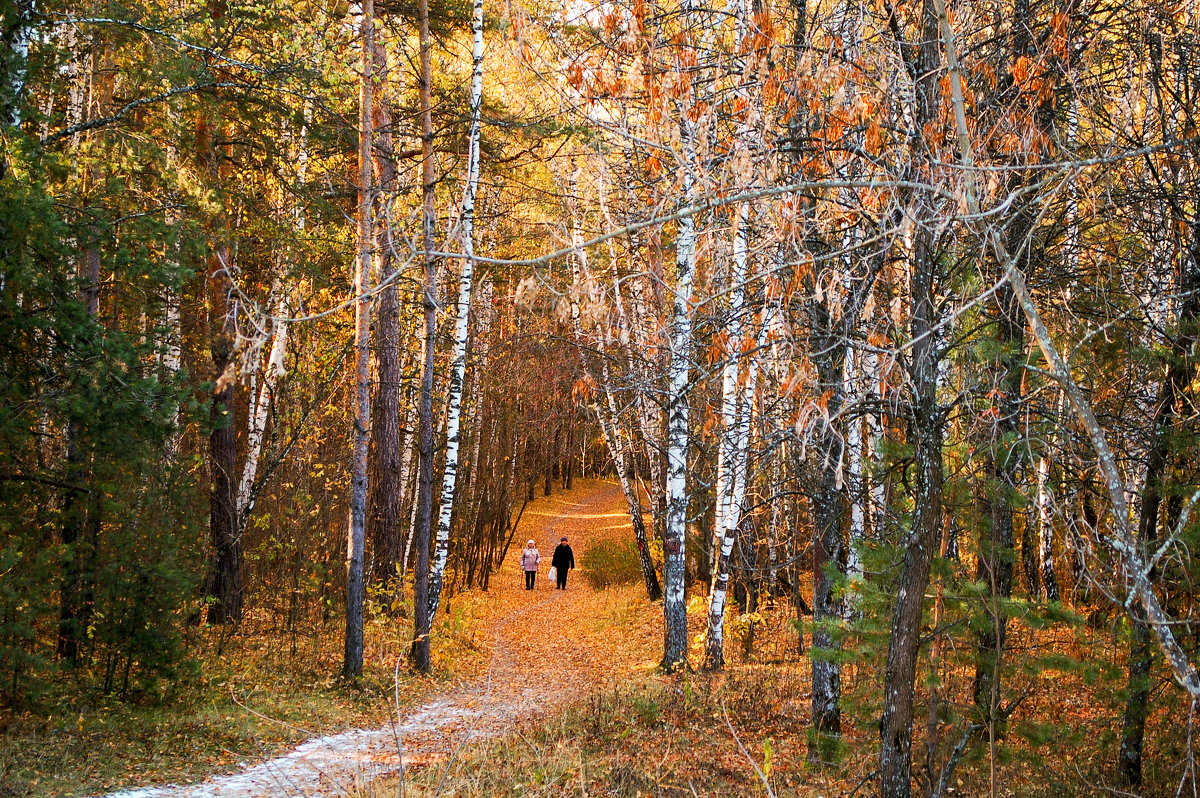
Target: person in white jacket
(530,558)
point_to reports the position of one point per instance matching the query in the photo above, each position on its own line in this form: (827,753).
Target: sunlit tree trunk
(260,405)
(458,365)
(680,354)
(731,454)
(18,35)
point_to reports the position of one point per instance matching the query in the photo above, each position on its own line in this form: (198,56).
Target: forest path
(547,650)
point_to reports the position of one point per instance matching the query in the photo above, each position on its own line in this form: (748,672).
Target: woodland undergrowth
(250,696)
(647,734)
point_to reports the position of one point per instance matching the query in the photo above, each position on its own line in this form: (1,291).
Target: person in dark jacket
(564,560)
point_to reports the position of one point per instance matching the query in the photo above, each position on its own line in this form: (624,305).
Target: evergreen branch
(133,105)
(186,45)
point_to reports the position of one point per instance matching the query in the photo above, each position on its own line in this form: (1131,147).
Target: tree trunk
(352,664)
(225,570)
(386,506)
(458,366)
(925,432)
(260,408)
(674,562)
(424,509)
(731,458)
(829,560)
(1133,726)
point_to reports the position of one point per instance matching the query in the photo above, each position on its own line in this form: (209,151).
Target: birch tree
(734,439)
(458,365)
(678,378)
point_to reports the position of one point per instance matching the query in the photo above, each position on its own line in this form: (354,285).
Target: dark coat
(564,558)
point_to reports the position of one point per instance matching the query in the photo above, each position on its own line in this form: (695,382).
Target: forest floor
(554,693)
(543,649)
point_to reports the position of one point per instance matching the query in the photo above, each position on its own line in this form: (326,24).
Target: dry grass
(256,697)
(650,735)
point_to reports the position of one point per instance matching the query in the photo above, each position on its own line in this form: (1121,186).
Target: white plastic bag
(551,573)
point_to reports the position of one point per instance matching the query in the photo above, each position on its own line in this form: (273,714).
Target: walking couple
(563,561)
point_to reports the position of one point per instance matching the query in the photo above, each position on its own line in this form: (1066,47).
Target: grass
(609,563)
(647,736)
(650,735)
(252,698)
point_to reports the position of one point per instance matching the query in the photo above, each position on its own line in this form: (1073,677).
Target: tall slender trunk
(225,570)
(424,507)
(352,664)
(18,37)
(731,522)
(855,488)
(458,366)
(674,604)
(605,410)
(386,506)
(260,407)
(1045,530)
(926,432)
(731,457)
(829,550)
(925,436)
(1133,726)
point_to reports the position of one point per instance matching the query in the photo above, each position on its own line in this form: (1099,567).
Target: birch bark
(680,355)
(458,366)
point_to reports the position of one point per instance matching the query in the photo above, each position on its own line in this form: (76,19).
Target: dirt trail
(546,649)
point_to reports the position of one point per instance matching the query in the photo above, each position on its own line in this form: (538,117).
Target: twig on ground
(256,713)
(861,782)
(745,753)
(956,754)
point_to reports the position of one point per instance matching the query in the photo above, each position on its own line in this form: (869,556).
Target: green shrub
(611,563)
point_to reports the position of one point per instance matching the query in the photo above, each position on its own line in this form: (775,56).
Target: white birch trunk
(462,324)
(606,411)
(260,410)
(22,38)
(854,481)
(410,464)
(483,309)
(731,457)
(674,564)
